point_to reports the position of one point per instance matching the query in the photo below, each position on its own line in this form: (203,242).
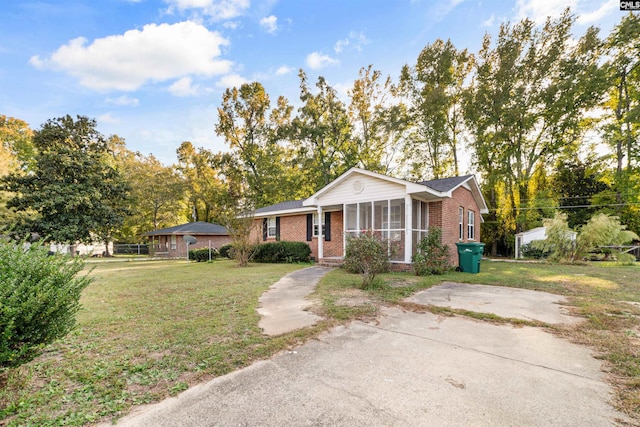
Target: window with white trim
(460,223)
(271,227)
(174,244)
(471,232)
(315,225)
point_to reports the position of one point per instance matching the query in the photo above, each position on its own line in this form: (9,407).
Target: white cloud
(588,11)
(489,22)
(231,80)
(596,16)
(283,70)
(270,24)
(355,40)
(539,10)
(316,61)
(155,53)
(107,118)
(217,10)
(184,87)
(123,100)
(232,25)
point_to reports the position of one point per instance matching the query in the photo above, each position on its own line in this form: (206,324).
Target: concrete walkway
(284,306)
(501,301)
(405,369)
(409,369)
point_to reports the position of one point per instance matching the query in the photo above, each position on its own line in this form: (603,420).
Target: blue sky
(153,71)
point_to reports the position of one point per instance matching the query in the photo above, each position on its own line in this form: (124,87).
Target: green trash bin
(469,256)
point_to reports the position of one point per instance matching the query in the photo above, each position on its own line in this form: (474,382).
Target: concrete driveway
(409,369)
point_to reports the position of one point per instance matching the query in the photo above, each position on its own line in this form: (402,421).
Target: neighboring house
(526,237)
(399,210)
(169,242)
(82,249)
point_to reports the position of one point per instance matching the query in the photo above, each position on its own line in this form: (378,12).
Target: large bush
(565,246)
(432,256)
(533,251)
(202,254)
(226,251)
(39,298)
(368,255)
(282,252)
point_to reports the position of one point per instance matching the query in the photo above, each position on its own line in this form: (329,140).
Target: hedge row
(202,254)
(282,252)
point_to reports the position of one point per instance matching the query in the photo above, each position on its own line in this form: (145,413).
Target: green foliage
(560,242)
(533,251)
(432,256)
(434,87)
(368,255)
(604,230)
(575,183)
(72,186)
(282,252)
(565,246)
(625,259)
(39,298)
(225,251)
(202,254)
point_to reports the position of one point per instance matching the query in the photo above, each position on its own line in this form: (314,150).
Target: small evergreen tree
(39,298)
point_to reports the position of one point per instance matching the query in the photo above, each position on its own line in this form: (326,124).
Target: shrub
(432,256)
(533,251)
(39,298)
(226,251)
(600,230)
(368,255)
(202,254)
(625,259)
(282,252)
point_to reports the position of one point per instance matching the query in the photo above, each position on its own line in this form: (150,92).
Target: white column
(320,237)
(408,232)
(344,229)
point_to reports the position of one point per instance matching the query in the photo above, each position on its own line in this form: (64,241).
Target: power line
(572,207)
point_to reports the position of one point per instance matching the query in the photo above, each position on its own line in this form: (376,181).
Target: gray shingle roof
(199,227)
(282,206)
(445,184)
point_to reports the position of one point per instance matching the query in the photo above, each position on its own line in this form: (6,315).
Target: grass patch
(147,330)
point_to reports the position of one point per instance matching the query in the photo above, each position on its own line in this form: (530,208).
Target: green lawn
(147,330)
(150,329)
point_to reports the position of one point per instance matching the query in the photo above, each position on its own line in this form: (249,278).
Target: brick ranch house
(401,211)
(169,242)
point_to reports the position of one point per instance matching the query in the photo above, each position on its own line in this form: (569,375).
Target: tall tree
(253,132)
(202,181)
(378,121)
(16,154)
(321,135)
(434,88)
(73,188)
(157,197)
(622,128)
(576,183)
(527,104)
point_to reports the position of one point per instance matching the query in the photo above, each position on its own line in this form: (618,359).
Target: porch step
(328,262)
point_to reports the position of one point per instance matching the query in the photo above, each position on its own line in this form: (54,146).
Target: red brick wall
(462,197)
(293,228)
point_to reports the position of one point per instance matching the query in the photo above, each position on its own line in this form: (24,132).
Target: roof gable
(446,184)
